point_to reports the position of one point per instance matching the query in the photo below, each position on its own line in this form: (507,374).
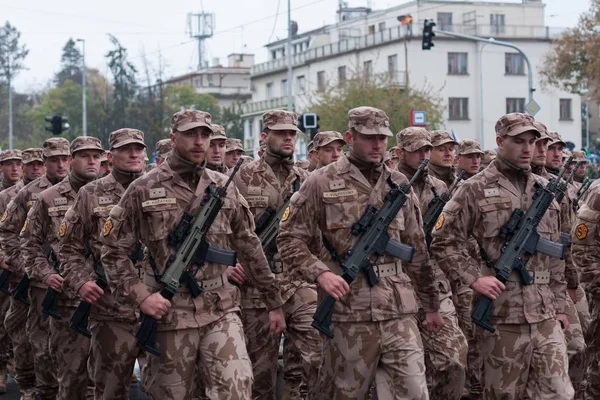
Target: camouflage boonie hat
(218,132)
(13,154)
(369,121)
(555,138)
(516,123)
(468,146)
(413,138)
(233,145)
(441,137)
(579,156)
(310,147)
(104,157)
(124,136)
(543,130)
(163,148)
(188,119)
(392,152)
(280,120)
(86,143)
(55,147)
(32,154)
(322,139)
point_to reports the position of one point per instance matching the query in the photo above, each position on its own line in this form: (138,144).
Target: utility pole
(83,89)
(10,113)
(290,105)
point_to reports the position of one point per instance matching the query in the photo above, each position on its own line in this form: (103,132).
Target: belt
(539,277)
(381,270)
(206,284)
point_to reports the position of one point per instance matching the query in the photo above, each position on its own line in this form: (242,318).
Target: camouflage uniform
(445,174)
(68,349)
(527,355)
(488,157)
(377,336)
(266,183)
(206,329)
(218,134)
(113,325)
(37,325)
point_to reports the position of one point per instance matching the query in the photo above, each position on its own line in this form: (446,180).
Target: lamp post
(83,89)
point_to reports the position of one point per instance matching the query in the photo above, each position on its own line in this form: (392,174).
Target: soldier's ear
(349,138)
(398,151)
(499,141)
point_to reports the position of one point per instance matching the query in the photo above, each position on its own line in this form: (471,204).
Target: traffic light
(309,122)
(58,124)
(428,34)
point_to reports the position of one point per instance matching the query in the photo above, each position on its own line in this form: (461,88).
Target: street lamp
(83,99)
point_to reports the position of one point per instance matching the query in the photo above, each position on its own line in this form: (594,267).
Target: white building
(479,82)
(230,84)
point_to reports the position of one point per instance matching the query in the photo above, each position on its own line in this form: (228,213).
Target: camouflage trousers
(388,353)
(445,354)
(5,343)
(15,323)
(583,309)
(576,349)
(70,352)
(220,346)
(593,342)
(525,361)
(38,330)
(464,307)
(112,358)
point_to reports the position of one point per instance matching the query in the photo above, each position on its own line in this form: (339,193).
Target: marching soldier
(442,156)
(216,153)
(163,149)
(580,157)
(468,157)
(233,152)
(394,160)
(105,166)
(376,335)
(191,330)
(487,158)
(328,147)
(311,156)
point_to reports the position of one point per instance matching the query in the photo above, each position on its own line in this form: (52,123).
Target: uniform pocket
(495,214)
(341,212)
(161,219)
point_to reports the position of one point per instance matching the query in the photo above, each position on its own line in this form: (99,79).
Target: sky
(159,27)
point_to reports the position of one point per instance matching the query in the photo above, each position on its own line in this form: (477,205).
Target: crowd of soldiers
(95,227)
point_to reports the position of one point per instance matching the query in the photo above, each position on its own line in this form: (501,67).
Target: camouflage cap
(542,129)
(310,147)
(280,120)
(233,145)
(516,123)
(124,136)
(32,154)
(188,119)
(392,152)
(413,138)
(104,156)
(55,147)
(555,138)
(86,143)
(322,139)
(369,121)
(441,137)
(163,148)
(488,156)
(468,146)
(218,132)
(579,156)
(13,154)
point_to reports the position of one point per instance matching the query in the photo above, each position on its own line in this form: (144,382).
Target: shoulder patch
(440,222)
(24,228)
(63,229)
(286,214)
(108,225)
(4,216)
(581,231)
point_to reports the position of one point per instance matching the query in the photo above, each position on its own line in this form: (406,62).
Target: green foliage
(70,64)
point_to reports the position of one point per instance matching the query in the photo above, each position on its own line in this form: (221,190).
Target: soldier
(579,156)
(442,156)
(329,147)
(216,154)
(16,316)
(376,335)
(526,356)
(261,148)
(163,149)
(445,351)
(394,160)
(311,156)
(468,157)
(191,331)
(265,184)
(487,158)
(113,324)
(39,242)
(233,152)
(105,166)
(55,153)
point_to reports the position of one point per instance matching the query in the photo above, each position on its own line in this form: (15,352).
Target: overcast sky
(241,25)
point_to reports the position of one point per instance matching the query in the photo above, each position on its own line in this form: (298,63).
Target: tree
(232,121)
(332,104)
(70,64)
(124,82)
(180,97)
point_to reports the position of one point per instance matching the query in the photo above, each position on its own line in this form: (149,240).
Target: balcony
(258,107)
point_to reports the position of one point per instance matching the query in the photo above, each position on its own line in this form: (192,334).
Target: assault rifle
(437,206)
(192,248)
(374,242)
(587,182)
(49,304)
(565,237)
(521,241)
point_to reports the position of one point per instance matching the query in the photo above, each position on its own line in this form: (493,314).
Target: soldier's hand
(5,266)
(236,274)
(488,286)
(564,321)
(55,282)
(90,292)
(435,322)
(155,306)
(334,285)
(277,320)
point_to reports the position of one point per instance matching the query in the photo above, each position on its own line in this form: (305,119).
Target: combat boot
(28,394)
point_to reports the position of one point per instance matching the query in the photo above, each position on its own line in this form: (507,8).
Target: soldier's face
(216,152)
(281,143)
(192,145)
(232,157)
(517,150)
(443,155)
(128,158)
(413,159)
(368,147)
(330,153)
(540,152)
(86,163)
(12,170)
(554,156)
(581,170)
(34,170)
(105,169)
(470,163)
(57,166)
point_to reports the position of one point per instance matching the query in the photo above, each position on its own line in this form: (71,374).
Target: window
(368,69)
(393,66)
(301,84)
(197,82)
(458,108)
(371,29)
(444,20)
(457,63)
(321,81)
(565,110)
(342,74)
(515,105)
(284,87)
(497,23)
(209,79)
(514,64)
(381,26)
(269,90)
(273,54)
